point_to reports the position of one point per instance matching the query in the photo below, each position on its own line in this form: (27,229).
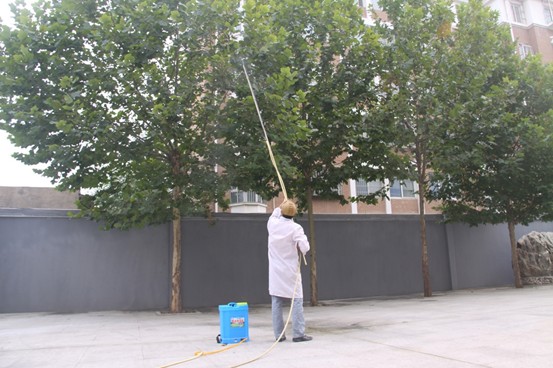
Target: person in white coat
(285,239)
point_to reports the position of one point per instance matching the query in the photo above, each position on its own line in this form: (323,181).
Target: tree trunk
(313,250)
(424,248)
(421,169)
(514,255)
(176,303)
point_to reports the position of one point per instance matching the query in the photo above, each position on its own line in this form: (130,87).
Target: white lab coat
(285,238)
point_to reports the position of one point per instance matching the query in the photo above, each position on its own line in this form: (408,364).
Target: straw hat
(288,208)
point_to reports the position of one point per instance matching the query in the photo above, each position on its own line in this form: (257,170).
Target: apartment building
(531,24)
(402,198)
(530,21)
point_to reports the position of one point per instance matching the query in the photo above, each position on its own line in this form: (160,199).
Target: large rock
(535,258)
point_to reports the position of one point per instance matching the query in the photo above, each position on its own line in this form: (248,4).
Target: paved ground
(503,327)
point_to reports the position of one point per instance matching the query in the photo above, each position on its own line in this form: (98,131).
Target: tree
(497,166)
(120,98)
(433,68)
(416,34)
(313,65)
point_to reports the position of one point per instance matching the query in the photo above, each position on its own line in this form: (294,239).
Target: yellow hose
(285,325)
(199,354)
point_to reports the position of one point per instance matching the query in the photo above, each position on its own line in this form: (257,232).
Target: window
(525,50)
(239,196)
(320,193)
(518,12)
(402,189)
(547,11)
(363,188)
(434,185)
(338,190)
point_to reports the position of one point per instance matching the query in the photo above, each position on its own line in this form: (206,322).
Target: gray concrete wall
(51,263)
(357,256)
(225,261)
(367,255)
(481,256)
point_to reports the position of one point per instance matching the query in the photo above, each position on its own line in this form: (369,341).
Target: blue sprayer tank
(233,319)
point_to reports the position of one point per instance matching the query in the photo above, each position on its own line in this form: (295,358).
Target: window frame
(363,187)
(403,189)
(248,197)
(547,11)
(519,14)
(525,50)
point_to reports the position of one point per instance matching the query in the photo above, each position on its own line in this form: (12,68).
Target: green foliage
(417,37)
(313,65)
(497,165)
(494,163)
(126,100)
(121,98)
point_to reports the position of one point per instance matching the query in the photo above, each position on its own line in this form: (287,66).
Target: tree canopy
(313,66)
(120,97)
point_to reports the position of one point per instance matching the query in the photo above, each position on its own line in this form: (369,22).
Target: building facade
(402,198)
(531,24)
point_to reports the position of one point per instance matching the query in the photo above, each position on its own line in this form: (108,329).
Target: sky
(12,172)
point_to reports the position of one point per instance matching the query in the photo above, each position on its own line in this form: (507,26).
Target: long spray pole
(265,133)
(267,141)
